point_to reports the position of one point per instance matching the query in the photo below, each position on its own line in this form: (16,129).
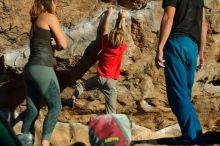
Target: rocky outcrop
(142,93)
(130,4)
(73,133)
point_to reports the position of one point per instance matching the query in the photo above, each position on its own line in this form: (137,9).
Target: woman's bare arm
(59,34)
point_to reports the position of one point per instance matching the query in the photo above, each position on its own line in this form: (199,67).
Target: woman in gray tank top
(39,76)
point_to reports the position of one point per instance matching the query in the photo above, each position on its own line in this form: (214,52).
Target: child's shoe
(77,92)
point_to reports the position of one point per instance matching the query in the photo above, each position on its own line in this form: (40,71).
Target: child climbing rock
(108,70)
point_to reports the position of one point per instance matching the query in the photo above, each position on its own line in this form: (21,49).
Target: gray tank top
(41,51)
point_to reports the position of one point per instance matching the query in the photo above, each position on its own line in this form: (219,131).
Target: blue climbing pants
(181,60)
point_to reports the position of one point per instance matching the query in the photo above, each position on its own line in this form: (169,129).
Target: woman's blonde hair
(39,7)
(116,38)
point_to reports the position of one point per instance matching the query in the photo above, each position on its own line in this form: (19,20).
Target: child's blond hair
(116,38)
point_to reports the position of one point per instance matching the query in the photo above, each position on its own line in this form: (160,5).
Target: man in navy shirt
(180,50)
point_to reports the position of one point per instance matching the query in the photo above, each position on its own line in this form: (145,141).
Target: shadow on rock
(12,92)
(211,138)
(78,144)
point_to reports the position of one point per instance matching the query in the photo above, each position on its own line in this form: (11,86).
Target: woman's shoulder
(48,16)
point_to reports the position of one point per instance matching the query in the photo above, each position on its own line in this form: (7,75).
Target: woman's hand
(55,45)
(53,42)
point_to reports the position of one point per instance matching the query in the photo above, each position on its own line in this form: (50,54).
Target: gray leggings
(108,88)
(41,81)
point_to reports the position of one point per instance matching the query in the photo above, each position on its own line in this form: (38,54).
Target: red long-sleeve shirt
(110,60)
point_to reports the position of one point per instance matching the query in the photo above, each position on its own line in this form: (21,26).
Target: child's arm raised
(123,15)
(107,19)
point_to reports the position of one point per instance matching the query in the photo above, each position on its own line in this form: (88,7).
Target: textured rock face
(14,25)
(140,79)
(130,4)
(64,134)
(74,133)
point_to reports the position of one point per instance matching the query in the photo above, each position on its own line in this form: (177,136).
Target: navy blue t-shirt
(188,17)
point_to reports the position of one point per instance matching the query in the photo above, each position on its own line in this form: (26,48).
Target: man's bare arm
(165,29)
(201,60)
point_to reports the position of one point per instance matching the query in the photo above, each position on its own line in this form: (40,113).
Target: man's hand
(200,61)
(159,59)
